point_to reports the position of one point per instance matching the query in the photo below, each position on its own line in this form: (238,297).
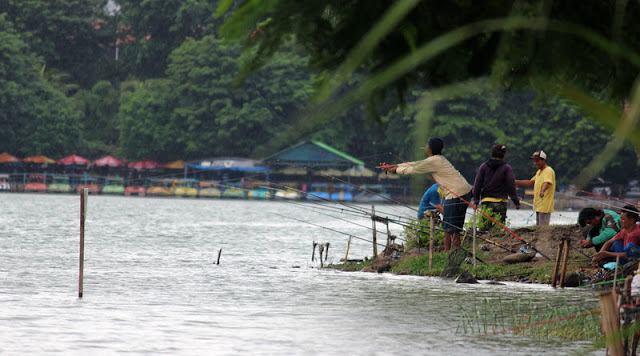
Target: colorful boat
(36,183)
(342,192)
(113,185)
(185,187)
(135,190)
(231,191)
(90,183)
(288,194)
(209,190)
(59,184)
(160,187)
(5,186)
(319,191)
(259,193)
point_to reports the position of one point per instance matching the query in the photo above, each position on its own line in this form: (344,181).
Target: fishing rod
(483,213)
(414,228)
(410,226)
(354,223)
(386,198)
(330,229)
(351,207)
(367,213)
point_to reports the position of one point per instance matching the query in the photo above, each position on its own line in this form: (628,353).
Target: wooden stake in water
(431,235)
(610,323)
(346,255)
(475,221)
(565,259)
(84,194)
(373,221)
(219,253)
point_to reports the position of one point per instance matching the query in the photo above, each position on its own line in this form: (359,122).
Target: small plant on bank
(419,266)
(483,223)
(418,234)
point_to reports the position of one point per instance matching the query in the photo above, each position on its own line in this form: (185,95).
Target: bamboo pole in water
(565,259)
(431,235)
(556,266)
(83,212)
(475,216)
(346,255)
(388,232)
(219,253)
(373,221)
(610,323)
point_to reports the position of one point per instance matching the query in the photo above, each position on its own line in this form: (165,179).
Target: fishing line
(367,191)
(352,222)
(318,199)
(483,213)
(407,225)
(607,197)
(366,212)
(330,229)
(599,202)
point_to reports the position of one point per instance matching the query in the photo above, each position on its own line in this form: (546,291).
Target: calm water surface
(151,286)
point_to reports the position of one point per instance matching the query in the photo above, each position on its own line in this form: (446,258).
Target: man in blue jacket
(431,201)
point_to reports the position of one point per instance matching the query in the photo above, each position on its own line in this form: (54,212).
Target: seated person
(625,244)
(431,201)
(604,224)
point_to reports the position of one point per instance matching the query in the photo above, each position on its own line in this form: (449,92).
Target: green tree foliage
(146,129)
(566,45)
(206,116)
(470,126)
(159,27)
(70,35)
(35,118)
(99,121)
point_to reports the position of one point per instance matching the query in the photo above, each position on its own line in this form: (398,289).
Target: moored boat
(36,183)
(113,185)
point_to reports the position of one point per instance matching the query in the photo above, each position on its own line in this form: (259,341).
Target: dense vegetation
(155,79)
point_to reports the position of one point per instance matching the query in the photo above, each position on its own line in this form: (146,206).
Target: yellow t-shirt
(544,204)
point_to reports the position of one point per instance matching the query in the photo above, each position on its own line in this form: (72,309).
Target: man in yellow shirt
(544,188)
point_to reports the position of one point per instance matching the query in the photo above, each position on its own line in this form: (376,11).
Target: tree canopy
(198,78)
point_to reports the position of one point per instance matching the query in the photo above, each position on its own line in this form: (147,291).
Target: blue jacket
(431,197)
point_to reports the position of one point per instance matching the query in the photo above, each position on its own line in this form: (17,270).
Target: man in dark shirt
(494,184)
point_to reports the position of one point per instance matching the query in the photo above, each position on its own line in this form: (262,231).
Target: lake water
(151,285)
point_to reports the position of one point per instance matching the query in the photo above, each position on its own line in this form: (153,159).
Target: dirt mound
(544,239)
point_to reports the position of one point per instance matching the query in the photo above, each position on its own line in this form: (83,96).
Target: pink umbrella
(143,164)
(73,159)
(108,161)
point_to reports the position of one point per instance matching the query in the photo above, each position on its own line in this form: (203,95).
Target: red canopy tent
(7,158)
(108,161)
(143,164)
(73,159)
